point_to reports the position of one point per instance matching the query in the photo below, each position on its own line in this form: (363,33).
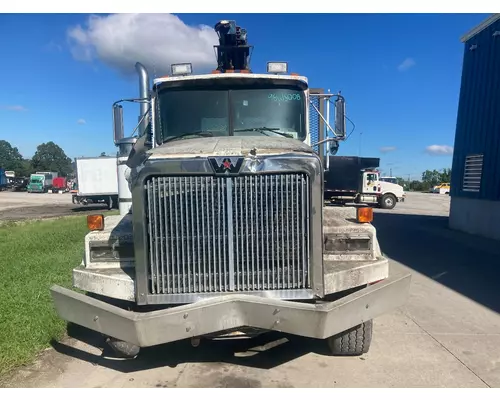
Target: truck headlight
(334,243)
(108,252)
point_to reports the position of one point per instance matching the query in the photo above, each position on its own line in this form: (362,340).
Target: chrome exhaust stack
(126,145)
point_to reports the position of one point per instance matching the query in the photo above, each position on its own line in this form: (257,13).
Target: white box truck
(97,181)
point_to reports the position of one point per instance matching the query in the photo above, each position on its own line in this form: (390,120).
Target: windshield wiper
(264,129)
(195,133)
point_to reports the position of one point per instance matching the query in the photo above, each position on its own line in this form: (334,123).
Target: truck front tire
(353,342)
(388,201)
(123,349)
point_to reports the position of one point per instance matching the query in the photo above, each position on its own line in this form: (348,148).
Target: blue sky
(400,74)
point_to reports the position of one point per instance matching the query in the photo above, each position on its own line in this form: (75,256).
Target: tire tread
(353,342)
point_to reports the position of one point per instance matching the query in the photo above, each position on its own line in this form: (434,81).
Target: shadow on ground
(263,352)
(468,264)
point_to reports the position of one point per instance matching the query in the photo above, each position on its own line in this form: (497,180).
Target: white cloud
(387,149)
(15,108)
(81,121)
(155,40)
(406,64)
(439,150)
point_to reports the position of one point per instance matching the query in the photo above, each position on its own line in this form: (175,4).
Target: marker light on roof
(277,67)
(182,69)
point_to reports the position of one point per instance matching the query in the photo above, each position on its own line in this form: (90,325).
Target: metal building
(475,182)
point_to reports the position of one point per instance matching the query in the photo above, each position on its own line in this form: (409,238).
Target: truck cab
(356,180)
(442,188)
(390,192)
(222,228)
(37,183)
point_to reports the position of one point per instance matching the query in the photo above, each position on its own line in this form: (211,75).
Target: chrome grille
(223,234)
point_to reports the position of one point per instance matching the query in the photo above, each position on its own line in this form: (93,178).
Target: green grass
(34,256)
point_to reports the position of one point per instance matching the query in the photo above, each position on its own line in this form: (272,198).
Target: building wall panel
(478,119)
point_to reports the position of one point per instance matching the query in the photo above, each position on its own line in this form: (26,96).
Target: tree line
(48,157)
(429,179)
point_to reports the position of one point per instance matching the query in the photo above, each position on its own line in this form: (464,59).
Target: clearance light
(95,222)
(182,69)
(364,215)
(277,67)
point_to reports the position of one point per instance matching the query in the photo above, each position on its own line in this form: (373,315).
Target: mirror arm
(140,121)
(323,118)
(324,141)
(138,100)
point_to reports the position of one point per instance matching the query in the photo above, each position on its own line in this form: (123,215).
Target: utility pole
(360,140)
(390,171)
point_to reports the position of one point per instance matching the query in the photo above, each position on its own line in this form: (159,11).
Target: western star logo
(226,165)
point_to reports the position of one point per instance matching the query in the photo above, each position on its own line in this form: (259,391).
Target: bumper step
(230,312)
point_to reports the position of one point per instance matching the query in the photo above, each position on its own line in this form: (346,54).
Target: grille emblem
(226,165)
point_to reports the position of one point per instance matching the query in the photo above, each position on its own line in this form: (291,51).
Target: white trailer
(97,181)
(49,176)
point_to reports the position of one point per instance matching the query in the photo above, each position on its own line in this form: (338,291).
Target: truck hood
(388,186)
(228,146)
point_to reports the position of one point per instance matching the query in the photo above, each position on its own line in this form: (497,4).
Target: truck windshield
(234,112)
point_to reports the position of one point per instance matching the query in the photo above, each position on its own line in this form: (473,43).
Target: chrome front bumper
(231,312)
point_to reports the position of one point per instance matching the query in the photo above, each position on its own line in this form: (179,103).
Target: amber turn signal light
(364,215)
(95,222)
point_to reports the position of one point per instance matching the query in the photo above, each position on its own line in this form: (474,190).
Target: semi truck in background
(442,188)
(59,185)
(41,181)
(97,181)
(3,180)
(356,180)
(222,230)
(11,176)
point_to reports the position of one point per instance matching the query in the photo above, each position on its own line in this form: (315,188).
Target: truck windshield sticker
(284,97)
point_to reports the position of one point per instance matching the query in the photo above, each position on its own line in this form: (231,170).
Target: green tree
(431,178)
(446,175)
(401,181)
(26,169)
(50,157)
(10,158)
(419,186)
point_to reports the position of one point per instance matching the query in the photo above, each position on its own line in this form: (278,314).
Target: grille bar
(225,234)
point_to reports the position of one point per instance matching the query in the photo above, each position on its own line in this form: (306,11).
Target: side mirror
(340,117)
(118,130)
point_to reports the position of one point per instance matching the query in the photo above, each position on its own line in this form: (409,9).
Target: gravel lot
(422,204)
(17,206)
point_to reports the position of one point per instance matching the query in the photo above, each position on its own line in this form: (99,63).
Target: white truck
(442,188)
(97,181)
(222,229)
(49,176)
(356,180)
